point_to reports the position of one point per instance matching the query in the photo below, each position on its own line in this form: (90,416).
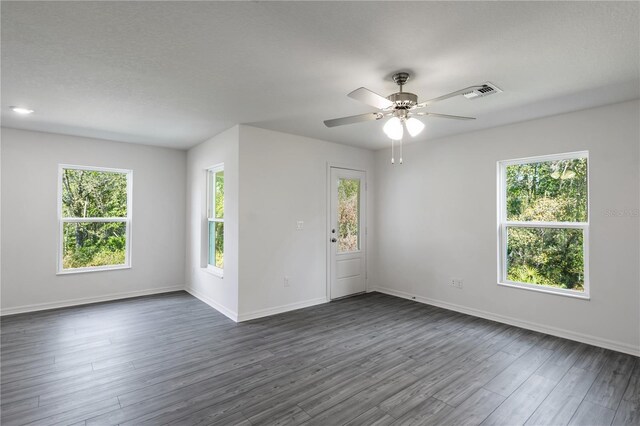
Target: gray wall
(437,213)
(219,292)
(30,225)
(283,179)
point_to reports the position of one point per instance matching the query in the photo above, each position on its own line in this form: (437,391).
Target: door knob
(333,240)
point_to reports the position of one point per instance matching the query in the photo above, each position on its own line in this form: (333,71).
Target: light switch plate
(300,224)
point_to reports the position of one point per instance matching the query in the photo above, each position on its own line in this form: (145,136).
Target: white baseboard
(215,305)
(87,300)
(559,332)
(280,309)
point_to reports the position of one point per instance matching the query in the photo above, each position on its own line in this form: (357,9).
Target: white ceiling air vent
(485,90)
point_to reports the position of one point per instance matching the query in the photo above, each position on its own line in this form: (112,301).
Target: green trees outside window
(546,219)
(348,215)
(94,217)
(215,216)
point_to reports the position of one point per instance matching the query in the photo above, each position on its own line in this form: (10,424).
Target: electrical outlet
(455,282)
(300,225)
(286,282)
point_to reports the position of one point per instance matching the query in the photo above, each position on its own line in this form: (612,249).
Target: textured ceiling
(176,73)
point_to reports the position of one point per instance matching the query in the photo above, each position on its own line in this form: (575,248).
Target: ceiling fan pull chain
(392,159)
(401,149)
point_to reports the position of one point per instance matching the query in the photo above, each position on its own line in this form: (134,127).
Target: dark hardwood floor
(371,359)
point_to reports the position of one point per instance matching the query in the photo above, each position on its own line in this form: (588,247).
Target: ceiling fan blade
(370,116)
(455,117)
(370,98)
(447,96)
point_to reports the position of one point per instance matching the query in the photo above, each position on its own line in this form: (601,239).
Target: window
(94,217)
(215,218)
(544,224)
(348,215)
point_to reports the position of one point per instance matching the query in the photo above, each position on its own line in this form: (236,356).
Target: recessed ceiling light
(21,110)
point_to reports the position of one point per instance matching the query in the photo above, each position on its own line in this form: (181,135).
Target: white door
(347,232)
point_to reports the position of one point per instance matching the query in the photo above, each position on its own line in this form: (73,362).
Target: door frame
(363,229)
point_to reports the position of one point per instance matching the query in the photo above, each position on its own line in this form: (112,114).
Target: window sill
(548,290)
(215,272)
(97,269)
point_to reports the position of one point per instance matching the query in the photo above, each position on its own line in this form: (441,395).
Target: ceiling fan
(402,107)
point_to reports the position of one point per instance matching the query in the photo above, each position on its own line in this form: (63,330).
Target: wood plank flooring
(367,360)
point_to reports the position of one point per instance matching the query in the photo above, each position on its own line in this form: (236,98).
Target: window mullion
(575,225)
(94,219)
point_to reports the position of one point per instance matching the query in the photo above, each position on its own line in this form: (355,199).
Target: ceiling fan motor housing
(403,100)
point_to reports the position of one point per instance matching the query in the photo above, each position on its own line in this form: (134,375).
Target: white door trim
(330,166)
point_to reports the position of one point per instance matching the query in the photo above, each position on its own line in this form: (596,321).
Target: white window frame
(210,207)
(503,223)
(62,220)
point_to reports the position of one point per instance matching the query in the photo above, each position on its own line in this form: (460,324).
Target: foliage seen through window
(93,194)
(551,192)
